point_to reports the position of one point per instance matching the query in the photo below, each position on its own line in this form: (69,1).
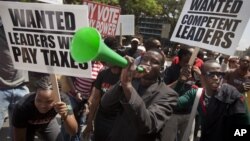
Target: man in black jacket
(147,103)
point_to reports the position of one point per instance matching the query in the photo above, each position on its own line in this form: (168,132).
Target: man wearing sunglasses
(221,106)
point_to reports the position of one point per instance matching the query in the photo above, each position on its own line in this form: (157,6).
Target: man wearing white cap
(133,51)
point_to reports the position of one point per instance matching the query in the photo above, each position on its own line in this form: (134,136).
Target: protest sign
(39,36)
(128,25)
(103,17)
(212,25)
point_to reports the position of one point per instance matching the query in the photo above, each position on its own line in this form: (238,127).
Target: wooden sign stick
(55,87)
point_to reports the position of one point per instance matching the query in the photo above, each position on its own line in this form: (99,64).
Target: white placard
(39,36)
(128,25)
(212,24)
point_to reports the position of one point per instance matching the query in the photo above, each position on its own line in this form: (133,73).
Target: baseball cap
(135,39)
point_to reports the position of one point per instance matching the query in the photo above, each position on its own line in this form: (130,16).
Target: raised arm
(68,118)
(150,119)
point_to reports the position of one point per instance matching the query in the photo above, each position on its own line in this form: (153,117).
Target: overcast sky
(245,40)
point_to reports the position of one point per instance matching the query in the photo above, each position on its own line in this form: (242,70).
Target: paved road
(4,132)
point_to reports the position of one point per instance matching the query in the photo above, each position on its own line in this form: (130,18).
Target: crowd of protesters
(122,104)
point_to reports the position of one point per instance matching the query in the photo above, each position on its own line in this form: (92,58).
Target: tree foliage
(136,7)
(172,10)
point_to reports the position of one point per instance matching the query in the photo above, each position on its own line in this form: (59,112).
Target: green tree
(110,2)
(172,10)
(136,7)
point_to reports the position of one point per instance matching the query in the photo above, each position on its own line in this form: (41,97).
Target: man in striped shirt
(80,90)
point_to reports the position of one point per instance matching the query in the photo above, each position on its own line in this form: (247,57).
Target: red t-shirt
(198,62)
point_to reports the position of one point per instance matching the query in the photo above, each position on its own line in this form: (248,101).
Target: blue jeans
(81,120)
(8,97)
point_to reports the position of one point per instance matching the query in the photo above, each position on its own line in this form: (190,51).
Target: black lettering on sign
(207,36)
(199,34)
(73,63)
(50,18)
(26,55)
(64,59)
(42,19)
(70,21)
(228,36)
(61,59)
(37,40)
(17,17)
(65,21)
(11,38)
(219,6)
(84,66)
(54,58)
(16,53)
(216,39)
(59,20)
(45,56)
(64,42)
(191,33)
(236,6)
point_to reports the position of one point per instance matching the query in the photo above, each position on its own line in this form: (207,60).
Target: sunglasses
(212,74)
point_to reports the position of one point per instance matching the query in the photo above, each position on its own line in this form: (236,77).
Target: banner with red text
(103,17)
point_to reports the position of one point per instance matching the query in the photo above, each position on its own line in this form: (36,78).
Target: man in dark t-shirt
(36,112)
(103,121)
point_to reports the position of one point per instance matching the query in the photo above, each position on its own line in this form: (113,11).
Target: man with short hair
(172,73)
(149,44)
(221,107)
(133,51)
